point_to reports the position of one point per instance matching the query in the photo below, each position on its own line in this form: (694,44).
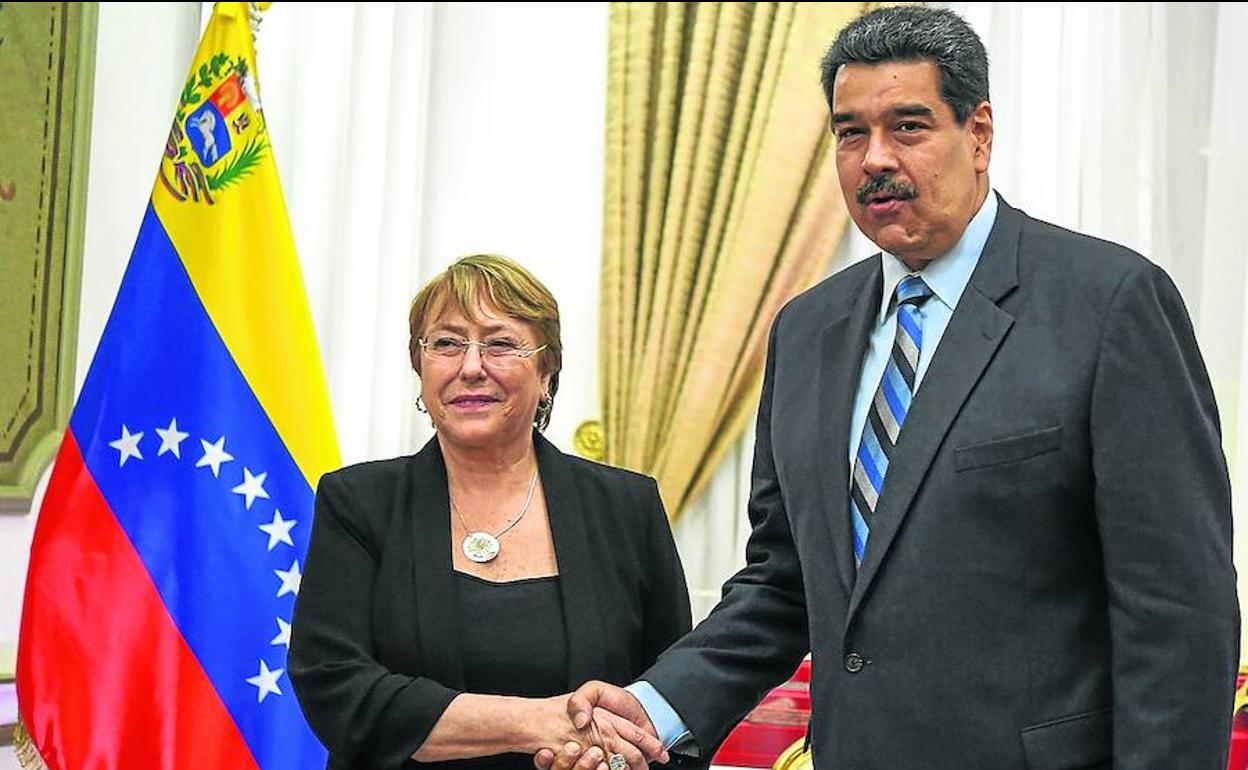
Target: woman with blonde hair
(451,596)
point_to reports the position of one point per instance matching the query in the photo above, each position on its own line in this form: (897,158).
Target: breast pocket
(1008,450)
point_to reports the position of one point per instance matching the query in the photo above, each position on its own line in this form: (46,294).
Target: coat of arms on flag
(218,134)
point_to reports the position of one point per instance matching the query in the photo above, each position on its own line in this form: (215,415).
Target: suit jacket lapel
(975,331)
(842,346)
(436,604)
(583,622)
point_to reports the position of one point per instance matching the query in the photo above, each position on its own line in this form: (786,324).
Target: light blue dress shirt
(946,276)
(666,721)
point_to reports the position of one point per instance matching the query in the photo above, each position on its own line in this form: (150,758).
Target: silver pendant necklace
(481,546)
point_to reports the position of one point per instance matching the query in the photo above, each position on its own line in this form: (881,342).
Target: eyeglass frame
(462,345)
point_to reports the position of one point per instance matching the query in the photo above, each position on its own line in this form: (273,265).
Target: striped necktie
(888,411)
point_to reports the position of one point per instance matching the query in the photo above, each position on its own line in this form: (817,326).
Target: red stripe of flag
(105,680)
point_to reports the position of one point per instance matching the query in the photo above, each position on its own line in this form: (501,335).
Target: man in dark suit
(996,509)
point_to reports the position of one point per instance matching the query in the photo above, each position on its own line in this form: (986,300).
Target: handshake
(611,731)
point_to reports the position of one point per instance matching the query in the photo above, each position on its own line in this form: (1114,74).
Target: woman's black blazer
(374,657)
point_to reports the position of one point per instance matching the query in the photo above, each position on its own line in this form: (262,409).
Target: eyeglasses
(500,354)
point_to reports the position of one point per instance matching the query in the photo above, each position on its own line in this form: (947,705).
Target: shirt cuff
(671,730)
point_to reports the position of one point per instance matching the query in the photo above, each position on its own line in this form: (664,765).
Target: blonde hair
(503,286)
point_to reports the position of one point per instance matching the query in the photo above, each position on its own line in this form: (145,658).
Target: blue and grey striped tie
(888,411)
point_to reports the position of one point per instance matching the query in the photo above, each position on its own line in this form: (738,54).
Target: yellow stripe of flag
(219,199)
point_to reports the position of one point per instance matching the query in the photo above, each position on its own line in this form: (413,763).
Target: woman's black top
(512,642)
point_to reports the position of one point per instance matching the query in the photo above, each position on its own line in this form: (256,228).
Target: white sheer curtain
(410,134)
(352,80)
(1122,120)
(712,532)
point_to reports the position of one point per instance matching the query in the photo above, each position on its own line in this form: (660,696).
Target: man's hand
(595,694)
(616,722)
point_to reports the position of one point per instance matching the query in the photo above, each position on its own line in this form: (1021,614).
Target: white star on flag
(283,633)
(252,487)
(290,579)
(214,455)
(127,445)
(265,682)
(278,530)
(171,439)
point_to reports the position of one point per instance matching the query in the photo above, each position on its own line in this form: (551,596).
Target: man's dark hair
(913,33)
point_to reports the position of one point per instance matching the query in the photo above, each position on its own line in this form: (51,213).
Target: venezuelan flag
(167,555)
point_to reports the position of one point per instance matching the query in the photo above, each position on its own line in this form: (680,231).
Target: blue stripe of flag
(160,357)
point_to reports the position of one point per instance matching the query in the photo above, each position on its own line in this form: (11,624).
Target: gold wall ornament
(47,53)
(589,440)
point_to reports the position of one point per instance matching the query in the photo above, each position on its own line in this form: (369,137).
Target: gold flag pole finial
(255,15)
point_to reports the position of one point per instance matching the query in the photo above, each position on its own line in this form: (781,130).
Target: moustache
(887,185)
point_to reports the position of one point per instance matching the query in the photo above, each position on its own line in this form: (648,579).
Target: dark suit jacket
(1048,581)
(373,654)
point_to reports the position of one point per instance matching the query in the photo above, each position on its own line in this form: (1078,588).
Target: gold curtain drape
(721,203)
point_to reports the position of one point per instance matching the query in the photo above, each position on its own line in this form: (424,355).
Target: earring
(542,418)
(420,405)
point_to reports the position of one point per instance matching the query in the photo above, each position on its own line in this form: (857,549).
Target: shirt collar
(948,274)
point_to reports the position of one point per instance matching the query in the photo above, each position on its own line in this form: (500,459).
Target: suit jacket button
(853,663)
